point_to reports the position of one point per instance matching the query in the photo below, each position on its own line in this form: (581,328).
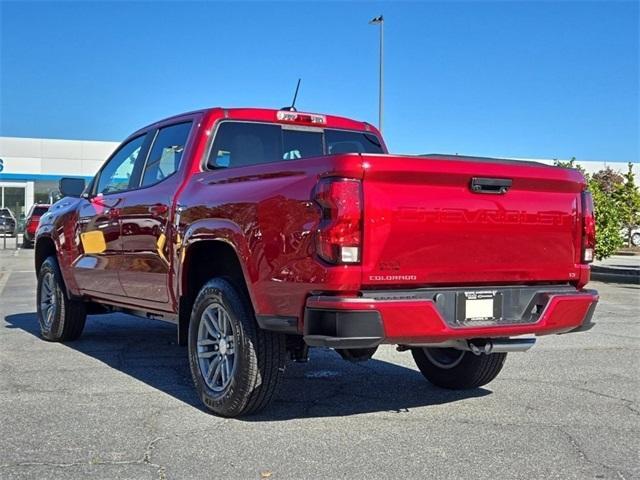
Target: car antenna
(292,108)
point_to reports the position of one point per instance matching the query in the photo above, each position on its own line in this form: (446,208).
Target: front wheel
(635,239)
(457,369)
(60,318)
(235,365)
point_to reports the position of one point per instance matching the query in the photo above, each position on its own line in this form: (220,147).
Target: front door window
(117,175)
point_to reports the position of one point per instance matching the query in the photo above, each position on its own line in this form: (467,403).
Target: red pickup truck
(262,232)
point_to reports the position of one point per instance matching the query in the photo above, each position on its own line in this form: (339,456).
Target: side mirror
(71,187)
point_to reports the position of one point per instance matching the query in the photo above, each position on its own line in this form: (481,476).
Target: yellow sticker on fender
(93,242)
(162,240)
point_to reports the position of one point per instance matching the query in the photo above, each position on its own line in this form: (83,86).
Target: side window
(301,144)
(240,144)
(166,153)
(117,175)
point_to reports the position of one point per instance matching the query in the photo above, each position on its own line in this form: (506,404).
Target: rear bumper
(417,319)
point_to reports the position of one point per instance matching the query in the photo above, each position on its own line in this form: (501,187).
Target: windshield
(5,212)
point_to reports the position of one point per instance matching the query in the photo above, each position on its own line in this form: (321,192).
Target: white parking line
(4,278)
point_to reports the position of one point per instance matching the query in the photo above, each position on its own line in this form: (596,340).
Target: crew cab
(261,233)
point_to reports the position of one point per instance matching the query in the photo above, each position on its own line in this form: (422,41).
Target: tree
(627,197)
(571,164)
(607,211)
(608,179)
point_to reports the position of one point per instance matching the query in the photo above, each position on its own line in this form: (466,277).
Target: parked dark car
(7,222)
(32,221)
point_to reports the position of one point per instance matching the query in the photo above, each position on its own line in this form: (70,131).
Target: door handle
(496,186)
(158,209)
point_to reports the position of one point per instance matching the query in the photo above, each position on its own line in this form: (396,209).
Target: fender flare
(47,234)
(219,230)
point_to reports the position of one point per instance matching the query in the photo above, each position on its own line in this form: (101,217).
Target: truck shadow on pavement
(326,386)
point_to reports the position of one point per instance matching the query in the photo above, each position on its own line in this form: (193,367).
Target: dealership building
(31,167)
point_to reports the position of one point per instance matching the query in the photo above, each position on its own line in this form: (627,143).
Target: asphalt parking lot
(119,404)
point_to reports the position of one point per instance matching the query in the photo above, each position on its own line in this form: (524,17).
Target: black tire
(26,241)
(67,317)
(456,369)
(356,355)
(259,355)
(635,239)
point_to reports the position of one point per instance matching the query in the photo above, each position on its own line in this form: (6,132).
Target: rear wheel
(61,319)
(236,366)
(356,354)
(457,369)
(635,239)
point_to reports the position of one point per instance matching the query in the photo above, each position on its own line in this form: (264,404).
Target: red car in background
(31,223)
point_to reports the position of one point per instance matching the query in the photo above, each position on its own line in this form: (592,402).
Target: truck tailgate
(424,224)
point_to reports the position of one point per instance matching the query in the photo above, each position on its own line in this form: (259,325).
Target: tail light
(339,235)
(588,228)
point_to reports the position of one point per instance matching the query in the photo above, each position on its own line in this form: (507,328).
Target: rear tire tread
(266,353)
(472,372)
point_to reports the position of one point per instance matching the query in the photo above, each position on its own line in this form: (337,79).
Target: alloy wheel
(216,347)
(48,299)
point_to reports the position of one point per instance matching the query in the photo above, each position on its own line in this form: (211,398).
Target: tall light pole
(379,20)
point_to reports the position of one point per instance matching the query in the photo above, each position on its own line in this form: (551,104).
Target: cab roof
(271,115)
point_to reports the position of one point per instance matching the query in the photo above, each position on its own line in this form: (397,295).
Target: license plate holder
(479,307)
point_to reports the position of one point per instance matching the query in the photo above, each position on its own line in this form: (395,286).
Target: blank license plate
(481,305)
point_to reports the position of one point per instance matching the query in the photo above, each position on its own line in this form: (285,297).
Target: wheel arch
(44,248)
(208,253)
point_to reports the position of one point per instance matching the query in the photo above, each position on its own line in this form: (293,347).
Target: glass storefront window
(13,199)
(45,191)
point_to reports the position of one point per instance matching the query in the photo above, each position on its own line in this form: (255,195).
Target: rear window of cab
(238,144)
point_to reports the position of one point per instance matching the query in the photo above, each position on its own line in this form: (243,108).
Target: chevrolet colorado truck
(261,233)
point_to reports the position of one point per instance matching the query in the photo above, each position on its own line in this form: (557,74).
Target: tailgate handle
(496,186)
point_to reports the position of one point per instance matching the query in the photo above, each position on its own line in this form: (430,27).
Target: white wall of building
(52,157)
(36,164)
(590,166)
